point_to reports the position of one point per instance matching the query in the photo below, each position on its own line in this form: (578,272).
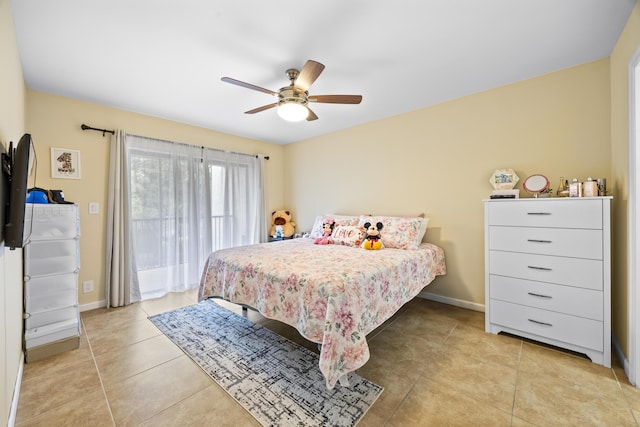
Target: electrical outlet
(87,286)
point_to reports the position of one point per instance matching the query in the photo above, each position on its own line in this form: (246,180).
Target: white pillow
(348,235)
(399,232)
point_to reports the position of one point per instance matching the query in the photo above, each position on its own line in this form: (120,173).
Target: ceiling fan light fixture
(293,99)
(292,111)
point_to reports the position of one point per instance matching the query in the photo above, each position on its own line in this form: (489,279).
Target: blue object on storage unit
(37,196)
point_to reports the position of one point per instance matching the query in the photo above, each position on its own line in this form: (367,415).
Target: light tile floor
(437,365)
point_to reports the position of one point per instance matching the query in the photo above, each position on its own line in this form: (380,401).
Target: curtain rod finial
(104,131)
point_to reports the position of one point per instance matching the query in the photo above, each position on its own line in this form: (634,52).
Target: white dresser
(51,264)
(548,272)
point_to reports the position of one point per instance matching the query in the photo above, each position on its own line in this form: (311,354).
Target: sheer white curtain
(186,201)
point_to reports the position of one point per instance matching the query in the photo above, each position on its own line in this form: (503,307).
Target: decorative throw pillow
(316,231)
(348,235)
(399,232)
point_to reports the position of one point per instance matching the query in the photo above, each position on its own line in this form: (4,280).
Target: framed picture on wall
(65,163)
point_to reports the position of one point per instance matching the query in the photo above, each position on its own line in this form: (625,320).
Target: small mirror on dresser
(536,184)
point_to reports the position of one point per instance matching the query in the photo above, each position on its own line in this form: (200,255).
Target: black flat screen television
(4,189)
(18,172)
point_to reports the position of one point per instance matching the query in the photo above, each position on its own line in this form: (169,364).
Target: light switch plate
(87,286)
(94,208)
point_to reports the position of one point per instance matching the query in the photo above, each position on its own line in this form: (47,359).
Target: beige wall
(628,44)
(12,117)
(435,160)
(438,160)
(55,121)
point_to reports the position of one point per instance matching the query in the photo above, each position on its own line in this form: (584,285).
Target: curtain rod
(113,132)
(104,131)
(200,146)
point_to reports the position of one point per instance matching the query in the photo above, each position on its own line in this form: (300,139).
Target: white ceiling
(165,58)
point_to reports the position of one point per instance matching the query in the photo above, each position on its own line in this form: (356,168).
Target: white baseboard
(16,393)
(452,301)
(93,305)
(620,355)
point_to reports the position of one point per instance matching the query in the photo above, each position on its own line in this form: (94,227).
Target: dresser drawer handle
(533,267)
(538,213)
(539,295)
(537,322)
(538,241)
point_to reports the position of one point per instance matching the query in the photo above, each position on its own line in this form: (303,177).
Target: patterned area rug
(277,381)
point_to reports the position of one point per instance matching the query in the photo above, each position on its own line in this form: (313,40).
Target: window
(186,201)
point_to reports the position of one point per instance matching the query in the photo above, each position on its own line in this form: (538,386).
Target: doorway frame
(634,210)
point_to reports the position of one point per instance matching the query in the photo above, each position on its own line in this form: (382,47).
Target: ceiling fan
(293,100)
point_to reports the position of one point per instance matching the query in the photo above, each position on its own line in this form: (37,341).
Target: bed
(332,294)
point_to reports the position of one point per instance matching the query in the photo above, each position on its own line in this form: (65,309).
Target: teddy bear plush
(327,229)
(372,237)
(282,218)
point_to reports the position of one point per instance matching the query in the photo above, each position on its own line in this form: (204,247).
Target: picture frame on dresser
(548,272)
(504,179)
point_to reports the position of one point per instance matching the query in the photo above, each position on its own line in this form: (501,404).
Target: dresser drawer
(562,299)
(570,242)
(581,213)
(562,327)
(582,273)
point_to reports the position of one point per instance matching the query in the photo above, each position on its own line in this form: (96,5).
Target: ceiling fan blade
(308,75)
(257,110)
(248,85)
(312,116)
(336,99)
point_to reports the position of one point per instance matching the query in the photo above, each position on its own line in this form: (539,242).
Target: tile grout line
(624,395)
(419,377)
(95,363)
(515,386)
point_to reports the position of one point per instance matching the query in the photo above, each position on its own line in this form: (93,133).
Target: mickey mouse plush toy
(372,238)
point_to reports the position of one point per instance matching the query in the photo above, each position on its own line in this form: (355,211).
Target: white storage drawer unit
(38,319)
(45,285)
(51,263)
(42,337)
(52,301)
(50,221)
(44,257)
(548,272)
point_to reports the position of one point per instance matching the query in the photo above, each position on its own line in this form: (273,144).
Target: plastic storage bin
(49,302)
(50,333)
(44,222)
(45,257)
(38,286)
(38,320)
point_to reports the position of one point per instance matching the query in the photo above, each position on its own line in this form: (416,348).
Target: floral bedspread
(332,294)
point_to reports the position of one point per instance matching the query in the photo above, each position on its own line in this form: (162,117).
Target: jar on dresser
(548,272)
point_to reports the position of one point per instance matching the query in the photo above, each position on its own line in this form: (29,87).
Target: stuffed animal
(327,229)
(372,236)
(282,218)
